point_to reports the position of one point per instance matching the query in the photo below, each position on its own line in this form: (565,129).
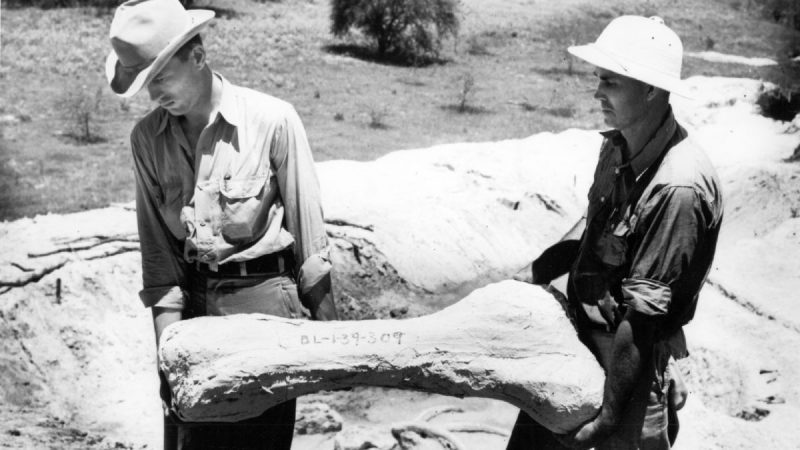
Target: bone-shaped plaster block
(509,341)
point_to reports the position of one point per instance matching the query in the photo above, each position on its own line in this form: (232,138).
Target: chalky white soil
(731,59)
(419,229)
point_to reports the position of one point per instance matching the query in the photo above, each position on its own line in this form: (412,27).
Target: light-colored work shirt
(248,189)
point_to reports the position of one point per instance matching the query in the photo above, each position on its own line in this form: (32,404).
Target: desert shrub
(377,118)
(409,28)
(466,92)
(79,107)
(465,95)
(476,46)
(779,104)
(785,98)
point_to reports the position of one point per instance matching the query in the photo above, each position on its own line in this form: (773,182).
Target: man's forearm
(319,299)
(554,261)
(632,348)
(163,317)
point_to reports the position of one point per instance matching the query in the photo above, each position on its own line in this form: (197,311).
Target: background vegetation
(504,75)
(411,30)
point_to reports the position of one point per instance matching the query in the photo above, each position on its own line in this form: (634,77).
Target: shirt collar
(227,107)
(227,104)
(165,117)
(651,150)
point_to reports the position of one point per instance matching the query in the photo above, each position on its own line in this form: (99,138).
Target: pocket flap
(242,187)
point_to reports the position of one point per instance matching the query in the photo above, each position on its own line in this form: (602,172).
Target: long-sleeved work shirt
(248,189)
(651,231)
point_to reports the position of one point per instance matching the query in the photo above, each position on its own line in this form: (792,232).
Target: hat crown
(144,35)
(141,29)
(640,42)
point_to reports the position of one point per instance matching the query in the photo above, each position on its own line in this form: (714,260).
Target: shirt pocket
(611,246)
(242,207)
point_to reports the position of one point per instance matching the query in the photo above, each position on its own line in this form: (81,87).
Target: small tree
(408,28)
(466,92)
(79,107)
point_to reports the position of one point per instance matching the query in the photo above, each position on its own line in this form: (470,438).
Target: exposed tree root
(39,264)
(447,439)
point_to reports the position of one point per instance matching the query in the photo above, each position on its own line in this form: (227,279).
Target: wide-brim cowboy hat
(144,35)
(640,48)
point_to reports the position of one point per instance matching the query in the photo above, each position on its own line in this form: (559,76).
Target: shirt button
(602,199)
(616,171)
(202,224)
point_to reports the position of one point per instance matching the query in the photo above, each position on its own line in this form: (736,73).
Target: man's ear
(198,56)
(654,92)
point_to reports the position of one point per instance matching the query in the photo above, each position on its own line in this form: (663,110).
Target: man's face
(176,88)
(623,100)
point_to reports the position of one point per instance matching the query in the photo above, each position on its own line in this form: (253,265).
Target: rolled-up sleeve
(163,271)
(299,186)
(670,228)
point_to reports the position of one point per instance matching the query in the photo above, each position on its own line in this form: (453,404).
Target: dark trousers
(529,435)
(272,430)
(274,294)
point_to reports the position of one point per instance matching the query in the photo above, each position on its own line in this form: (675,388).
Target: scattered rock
(351,308)
(361,437)
(773,400)
(398,312)
(513,204)
(753,414)
(317,418)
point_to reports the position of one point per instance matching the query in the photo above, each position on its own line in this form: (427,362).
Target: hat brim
(594,55)
(127,83)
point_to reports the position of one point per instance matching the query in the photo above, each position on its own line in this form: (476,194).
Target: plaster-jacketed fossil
(510,341)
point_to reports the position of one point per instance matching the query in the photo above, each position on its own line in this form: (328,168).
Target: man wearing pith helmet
(651,228)
(227,200)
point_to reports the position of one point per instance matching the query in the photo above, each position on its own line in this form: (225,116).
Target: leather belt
(272,264)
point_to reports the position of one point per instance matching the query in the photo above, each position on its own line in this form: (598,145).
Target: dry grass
(352,108)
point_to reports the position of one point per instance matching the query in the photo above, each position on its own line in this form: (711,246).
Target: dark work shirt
(651,230)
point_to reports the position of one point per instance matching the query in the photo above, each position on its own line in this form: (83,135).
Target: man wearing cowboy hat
(227,199)
(651,227)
